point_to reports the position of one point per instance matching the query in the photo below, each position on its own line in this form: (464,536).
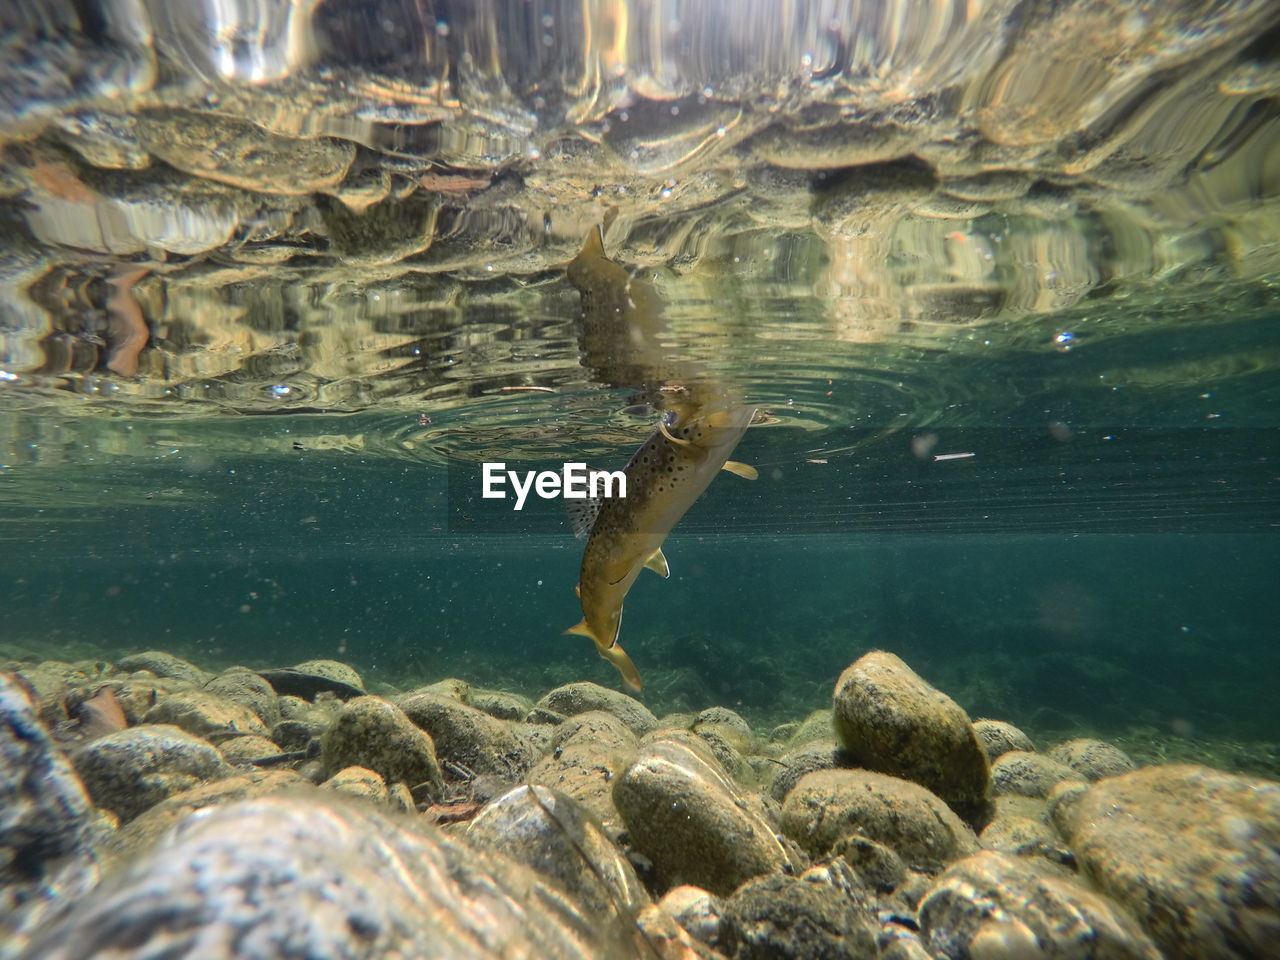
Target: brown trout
(622,338)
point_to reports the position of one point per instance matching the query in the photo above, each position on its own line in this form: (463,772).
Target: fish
(674,466)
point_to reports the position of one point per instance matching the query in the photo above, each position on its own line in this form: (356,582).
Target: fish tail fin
(580,629)
(630,675)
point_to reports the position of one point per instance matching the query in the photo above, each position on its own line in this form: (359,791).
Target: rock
(450,687)
(358,782)
(699,911)
(589,751)
(574,698)
(816,726)
(500,704)
(129,771)
(800,918)
(724,751)
(689,820)
(281,877)
(370,732)
(1191,852)
(246,688)
(1028,774)
(206,715)
(891,721)
(148,828)
(728,724)
(811,756)
(543,717)
(665,938)
(162,665)
(829,805)
(992,905)
(998,738)
(879,866)
(1093,759)
(293,735)
(465,736)
(556,836)
(1026,837)
(248,748)
(307,680)
(49,830)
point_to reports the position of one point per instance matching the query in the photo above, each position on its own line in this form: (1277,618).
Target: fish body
(666,475)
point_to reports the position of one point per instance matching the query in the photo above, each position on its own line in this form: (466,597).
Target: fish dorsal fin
(582,515)
(657,562)
(743,470)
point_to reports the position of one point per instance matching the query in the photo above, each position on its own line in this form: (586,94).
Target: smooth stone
(998,738)
(588,753)
(574,698)
(162,665)
(291,877)
(727,723)
(500,704)
(450,687)
(1026,837)
(795,763)
(148,828)
(995,906)
(131,770)
(811,917)
(332,670)
(1192,852)
(250,747)
(246,688)
(370,732)
(691,822)
(891,721)
(818,725)
(206,715)
(556,836)
(358,782)
(463,735)
(1028,774)
(830,805)
(1093,759)
(665,938)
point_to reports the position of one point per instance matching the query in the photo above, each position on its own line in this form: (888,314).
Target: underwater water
(991,292)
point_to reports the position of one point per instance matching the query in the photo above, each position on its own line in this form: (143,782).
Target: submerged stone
(890,720)
(132,770)
(1092,759)
(370,732)
(574,698)
(689,819)
(285,877)
(556,836)
(1192,852)
(471,739)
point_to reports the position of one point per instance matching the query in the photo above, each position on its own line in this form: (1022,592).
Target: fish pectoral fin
(744,470)
(662,428)
(618,657)
(657,562)
(582,514)
(580,629)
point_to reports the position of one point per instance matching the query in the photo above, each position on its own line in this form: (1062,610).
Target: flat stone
(162,665)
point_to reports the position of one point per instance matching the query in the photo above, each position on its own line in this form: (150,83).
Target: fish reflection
(700,422)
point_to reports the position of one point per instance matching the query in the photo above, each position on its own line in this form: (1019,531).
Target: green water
(1105,562)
